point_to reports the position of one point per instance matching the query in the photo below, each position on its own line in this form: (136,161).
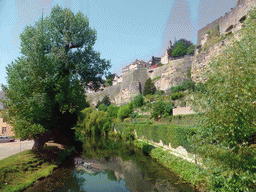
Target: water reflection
(113,165)
(108,164)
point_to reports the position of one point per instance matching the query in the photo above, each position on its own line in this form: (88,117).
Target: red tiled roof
(154,66)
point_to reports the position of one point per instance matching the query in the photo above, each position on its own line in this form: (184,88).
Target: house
(5,128)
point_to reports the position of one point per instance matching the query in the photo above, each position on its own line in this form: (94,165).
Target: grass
(19,172)
(158,77)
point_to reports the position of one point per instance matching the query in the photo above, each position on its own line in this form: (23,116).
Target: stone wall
(111,91)
(211,26)
(175,73)
(182,111)
(231,20)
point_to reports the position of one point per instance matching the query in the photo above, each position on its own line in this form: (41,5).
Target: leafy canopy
(149,88)
(228,100)
(46,83)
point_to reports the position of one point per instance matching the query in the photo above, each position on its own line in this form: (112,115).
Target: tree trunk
(41,140)
(38,145)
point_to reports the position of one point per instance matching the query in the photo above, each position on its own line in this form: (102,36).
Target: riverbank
(21,171)
(187,170)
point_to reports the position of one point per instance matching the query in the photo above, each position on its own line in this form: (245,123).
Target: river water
(111,165)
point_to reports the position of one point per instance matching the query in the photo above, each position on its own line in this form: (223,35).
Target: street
(11,148)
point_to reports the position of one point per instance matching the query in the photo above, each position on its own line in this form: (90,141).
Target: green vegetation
(176,96)
(19,172)
(138,101)
(158,77)
(45,86)
(149,88)
(186,85)
(183,47)
(176,135)
(159,64)
(180,49)
(124,112)
(109,79)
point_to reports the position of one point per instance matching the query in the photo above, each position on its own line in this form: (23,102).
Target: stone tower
(170,44)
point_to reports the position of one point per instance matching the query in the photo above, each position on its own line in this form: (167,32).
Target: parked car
(4,139)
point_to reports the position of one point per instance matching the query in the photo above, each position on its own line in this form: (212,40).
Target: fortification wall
(140,75)
(211,26)
(111,91)
(232,18)
(156,71)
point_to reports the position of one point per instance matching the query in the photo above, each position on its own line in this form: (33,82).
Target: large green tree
(228,102)
(45,86)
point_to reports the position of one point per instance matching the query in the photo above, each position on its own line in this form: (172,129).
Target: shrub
(191,50)
(175,96)
(180,49)
(98,104)
(149,88)
(229,99)
(106,100)
(158,109)
(158,77)
(168,108)
(102,107)
(138,101)
(186,85)
(159,64)
(123,112)
(112,111)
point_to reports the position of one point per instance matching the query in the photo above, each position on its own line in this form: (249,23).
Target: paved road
(11,148)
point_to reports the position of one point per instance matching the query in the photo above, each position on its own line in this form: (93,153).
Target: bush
(124,112)
(168,108)
(159,64)
(186,85)
(191,50)
(112,111)
(180,49)
(158,109)
(138,101)
(102,107)
(106,100)
(175,96)
(158,77)
(229,99)
(149,88)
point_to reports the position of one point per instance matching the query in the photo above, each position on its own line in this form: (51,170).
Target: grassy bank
(19,172)
(189,172)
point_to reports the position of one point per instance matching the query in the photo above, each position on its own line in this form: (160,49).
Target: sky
(126,29)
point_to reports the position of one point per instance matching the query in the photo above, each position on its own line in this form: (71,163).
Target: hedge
(176,135)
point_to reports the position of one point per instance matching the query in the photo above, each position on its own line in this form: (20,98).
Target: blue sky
(126,29)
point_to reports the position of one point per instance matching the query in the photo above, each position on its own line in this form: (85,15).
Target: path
(11,148)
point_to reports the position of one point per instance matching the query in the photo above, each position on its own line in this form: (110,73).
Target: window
(3,130)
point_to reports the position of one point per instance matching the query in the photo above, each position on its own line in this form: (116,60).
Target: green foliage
(159,64)
(229,100)
(158,77)
(91,122)
(158,109)
(145,146)
(176,96)
(98,104)
(159,92)
(109,79)
(45,84)
(124,111)
(180,49)
(173,134)
(149,88)
(112,111)
(106,100)
(191,50)
(138,101)
(103,107)
(186,85)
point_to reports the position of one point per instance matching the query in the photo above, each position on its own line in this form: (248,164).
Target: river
(110,165)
